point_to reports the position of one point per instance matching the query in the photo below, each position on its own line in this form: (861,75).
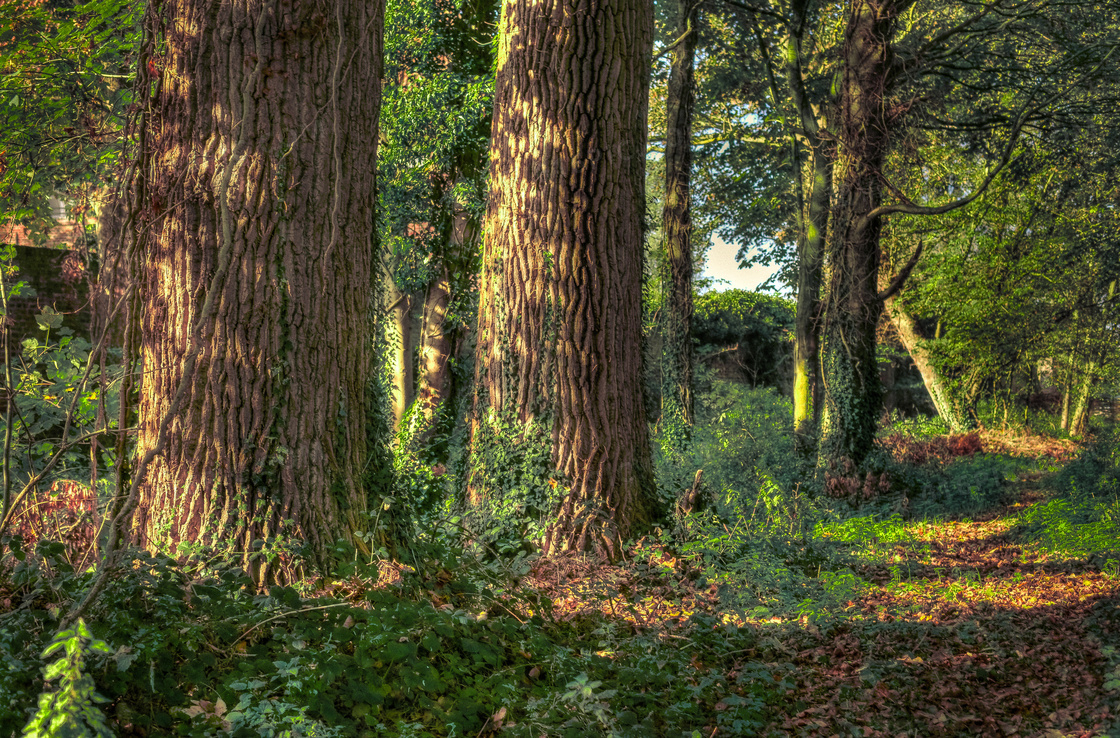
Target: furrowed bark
(559,338)
(265,135)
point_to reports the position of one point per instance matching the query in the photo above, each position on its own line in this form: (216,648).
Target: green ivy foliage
(193,651)
(514,485)
(435,129)
(72,709)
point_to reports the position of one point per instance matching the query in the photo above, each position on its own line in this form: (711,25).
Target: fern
(70,711)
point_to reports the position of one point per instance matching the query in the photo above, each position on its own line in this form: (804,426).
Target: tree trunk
(561,296)
(436,342)
(810,249)
(677,406)
(400,351)
(1079,423)
(258,283)
(853,393)
(810,267)
(939,392)
(435,347)
(1067,392)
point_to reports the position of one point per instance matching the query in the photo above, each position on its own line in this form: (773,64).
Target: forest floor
(899,618)
(942,628)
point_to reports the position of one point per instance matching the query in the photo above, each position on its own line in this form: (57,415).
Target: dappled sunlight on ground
(957,630)
(651,589)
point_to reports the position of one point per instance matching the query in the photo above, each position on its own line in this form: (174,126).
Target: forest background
(399,410)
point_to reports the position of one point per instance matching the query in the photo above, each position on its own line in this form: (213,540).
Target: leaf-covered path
(943,628)
(965,631)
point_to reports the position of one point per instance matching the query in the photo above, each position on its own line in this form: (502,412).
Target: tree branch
(903,274)
(765,10)
(670,47)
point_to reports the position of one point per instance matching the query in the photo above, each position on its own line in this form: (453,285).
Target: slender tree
(257,414)
(808,129)
(677,407)
(561,297)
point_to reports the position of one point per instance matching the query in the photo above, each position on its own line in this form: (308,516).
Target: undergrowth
(455,645)
(201,655)
(1083,519)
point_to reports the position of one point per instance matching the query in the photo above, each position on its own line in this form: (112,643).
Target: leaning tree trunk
(853,394)
(677,406)
(259,279)
(939,392)
(561,296)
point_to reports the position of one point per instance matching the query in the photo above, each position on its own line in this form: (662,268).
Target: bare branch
(1026,113)
(903,274)
(670,47)
(764,10)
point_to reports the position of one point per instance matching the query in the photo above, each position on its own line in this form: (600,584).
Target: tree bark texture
(939,391)
(261,205)
(853,394)
(559,339)
(677,405)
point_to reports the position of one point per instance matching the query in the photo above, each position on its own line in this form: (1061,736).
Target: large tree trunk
(853,394)
(259,278)
(677,406)
(939,392)
(561,296)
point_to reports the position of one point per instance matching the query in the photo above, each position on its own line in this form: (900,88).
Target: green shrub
(1084,519)
(743,440)
(916,426)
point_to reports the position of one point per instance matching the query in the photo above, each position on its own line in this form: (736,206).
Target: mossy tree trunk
(259,280)
(811,240)
(853,394)
(559,338)
(677,405)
